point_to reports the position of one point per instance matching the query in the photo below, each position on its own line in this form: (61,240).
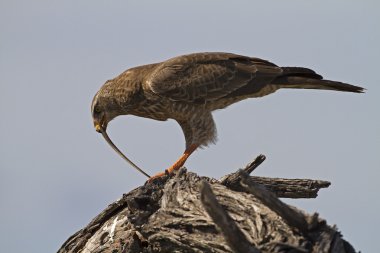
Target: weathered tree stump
(189,213)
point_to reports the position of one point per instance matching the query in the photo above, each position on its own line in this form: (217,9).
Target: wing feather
(204,77)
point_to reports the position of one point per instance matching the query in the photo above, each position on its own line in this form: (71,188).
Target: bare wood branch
(232,180)
(281,187)
(292,188)
(256,163)
(231,232)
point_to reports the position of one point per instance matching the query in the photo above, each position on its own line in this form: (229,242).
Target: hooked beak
(100,126)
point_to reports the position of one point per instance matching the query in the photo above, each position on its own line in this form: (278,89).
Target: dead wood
(282,187)
(189,213)
(227,226)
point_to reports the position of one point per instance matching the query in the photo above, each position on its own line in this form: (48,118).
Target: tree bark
(188,213)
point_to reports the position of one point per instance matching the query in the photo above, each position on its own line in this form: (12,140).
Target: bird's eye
(97,110)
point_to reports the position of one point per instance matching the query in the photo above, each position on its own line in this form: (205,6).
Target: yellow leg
(178,164)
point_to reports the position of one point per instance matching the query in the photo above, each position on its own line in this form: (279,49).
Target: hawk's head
(105,106)
(116,97)
(99,112)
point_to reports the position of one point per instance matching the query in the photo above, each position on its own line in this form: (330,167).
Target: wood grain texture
(227,226)
(281,187)
(170,216)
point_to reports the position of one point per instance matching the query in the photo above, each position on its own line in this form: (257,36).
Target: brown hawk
(188,88)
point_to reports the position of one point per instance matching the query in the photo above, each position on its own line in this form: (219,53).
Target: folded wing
(204,77)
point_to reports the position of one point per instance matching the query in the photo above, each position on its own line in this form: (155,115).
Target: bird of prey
(188,88)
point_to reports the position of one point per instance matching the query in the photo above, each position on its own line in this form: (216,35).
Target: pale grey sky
(57,173)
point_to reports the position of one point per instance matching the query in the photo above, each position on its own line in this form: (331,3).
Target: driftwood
(188,213)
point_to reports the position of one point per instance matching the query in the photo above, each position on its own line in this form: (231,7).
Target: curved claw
(157,176)
(177,165)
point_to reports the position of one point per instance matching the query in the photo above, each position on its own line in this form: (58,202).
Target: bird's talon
(157,176)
